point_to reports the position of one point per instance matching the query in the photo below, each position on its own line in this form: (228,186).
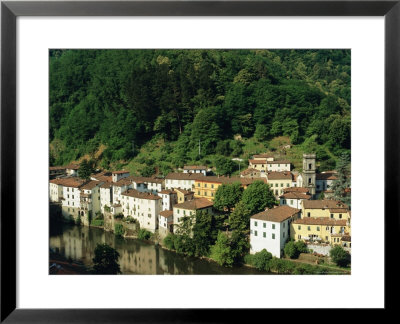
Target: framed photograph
(196,151)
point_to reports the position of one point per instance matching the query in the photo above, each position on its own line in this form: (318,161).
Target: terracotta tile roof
(91,184)
(122,182)
(249,171)
(166,213)
(140,195)
(258,161)
(323,204)
(120,172)
(263,155)
(72,166)
(73,182)
(295,195)
(106,185)
(338,210)
(227,180)
(167,192)
(284,175)
(279,162)
(194,167)
(277,214)
(185,176)
(145,179)
(102,176)
(326,176)
(296,189)
(185,192)
(346,238)
(197,203)
(57,168)
(320,221)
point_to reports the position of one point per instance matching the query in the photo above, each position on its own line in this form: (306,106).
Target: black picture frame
(10,10)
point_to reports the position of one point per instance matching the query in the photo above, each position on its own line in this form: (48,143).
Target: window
(264,234)
(198,192)
(276,185)
(287,185)
(273,236)
(309,228)
(309,166)
(178,211)
(273,226)
(264,225)
(340,216)
(299,227)
(283,234)
(309,180)
(198,185)
(317,228)
(281,184)
(299,237)
(331,215)
(291,202)
(308,214)
(279,165)
(255,233)
(255,223)
(205,185)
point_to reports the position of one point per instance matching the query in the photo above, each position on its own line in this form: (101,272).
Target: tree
(341,185)
(261,259)
(291,250)
(340,256)
(203,233)
(227,196)
(85,170)
(239,219)
(221,251)
(105,260)
(147,171)
(224,166)
(257,197)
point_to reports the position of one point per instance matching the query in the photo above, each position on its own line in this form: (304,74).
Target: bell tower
(309,179)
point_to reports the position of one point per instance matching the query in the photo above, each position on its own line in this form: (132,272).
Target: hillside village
(160,205)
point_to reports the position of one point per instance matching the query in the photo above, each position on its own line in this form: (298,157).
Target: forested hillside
(154,107)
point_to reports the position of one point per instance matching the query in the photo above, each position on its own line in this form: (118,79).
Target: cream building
(325,208)
(279,181)
(278,166)
(182,180)
(294,199)
(144,207)
(189,208)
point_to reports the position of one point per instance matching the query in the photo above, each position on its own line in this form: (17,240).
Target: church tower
(309,179)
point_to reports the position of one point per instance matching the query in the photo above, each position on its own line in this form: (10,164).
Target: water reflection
(136,257)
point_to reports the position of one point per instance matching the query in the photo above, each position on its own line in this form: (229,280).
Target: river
(136,257)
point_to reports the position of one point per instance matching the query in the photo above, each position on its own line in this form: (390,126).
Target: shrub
(301,247)
(130,220)
(118,229)
(249,259)
(291,250)
(97,222)
(340,256)
(169,241)
(119,216)
(144,234)
(261,259)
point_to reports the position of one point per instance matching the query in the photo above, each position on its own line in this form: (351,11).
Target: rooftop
(277,214)
(73,182)
(166,213)
(197,203)
(321,221)
(91,184)
(324,204)
(140,195)
(194,167)
(295,195)
(185,176)
(285,175)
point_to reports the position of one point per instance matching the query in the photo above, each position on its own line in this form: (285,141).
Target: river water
(136,257)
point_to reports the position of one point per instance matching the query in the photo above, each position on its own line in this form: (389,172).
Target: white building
(182,180)
(147,184)
(165,220)
(118,175)
(56,190)
(195,169)
(294,199)
(71,197)
(89,200)
(106,195)
(278,166)
(270,229)
(119,187)
(169,199)
(325,180)
(143,206)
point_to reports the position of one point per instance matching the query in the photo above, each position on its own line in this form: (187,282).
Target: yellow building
(208,186)
(322,229)
(279,181)
(325,208)
(183,195)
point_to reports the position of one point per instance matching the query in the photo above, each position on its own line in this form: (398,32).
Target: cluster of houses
(161,203)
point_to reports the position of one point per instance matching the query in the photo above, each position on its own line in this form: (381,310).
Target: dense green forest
(152,108)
